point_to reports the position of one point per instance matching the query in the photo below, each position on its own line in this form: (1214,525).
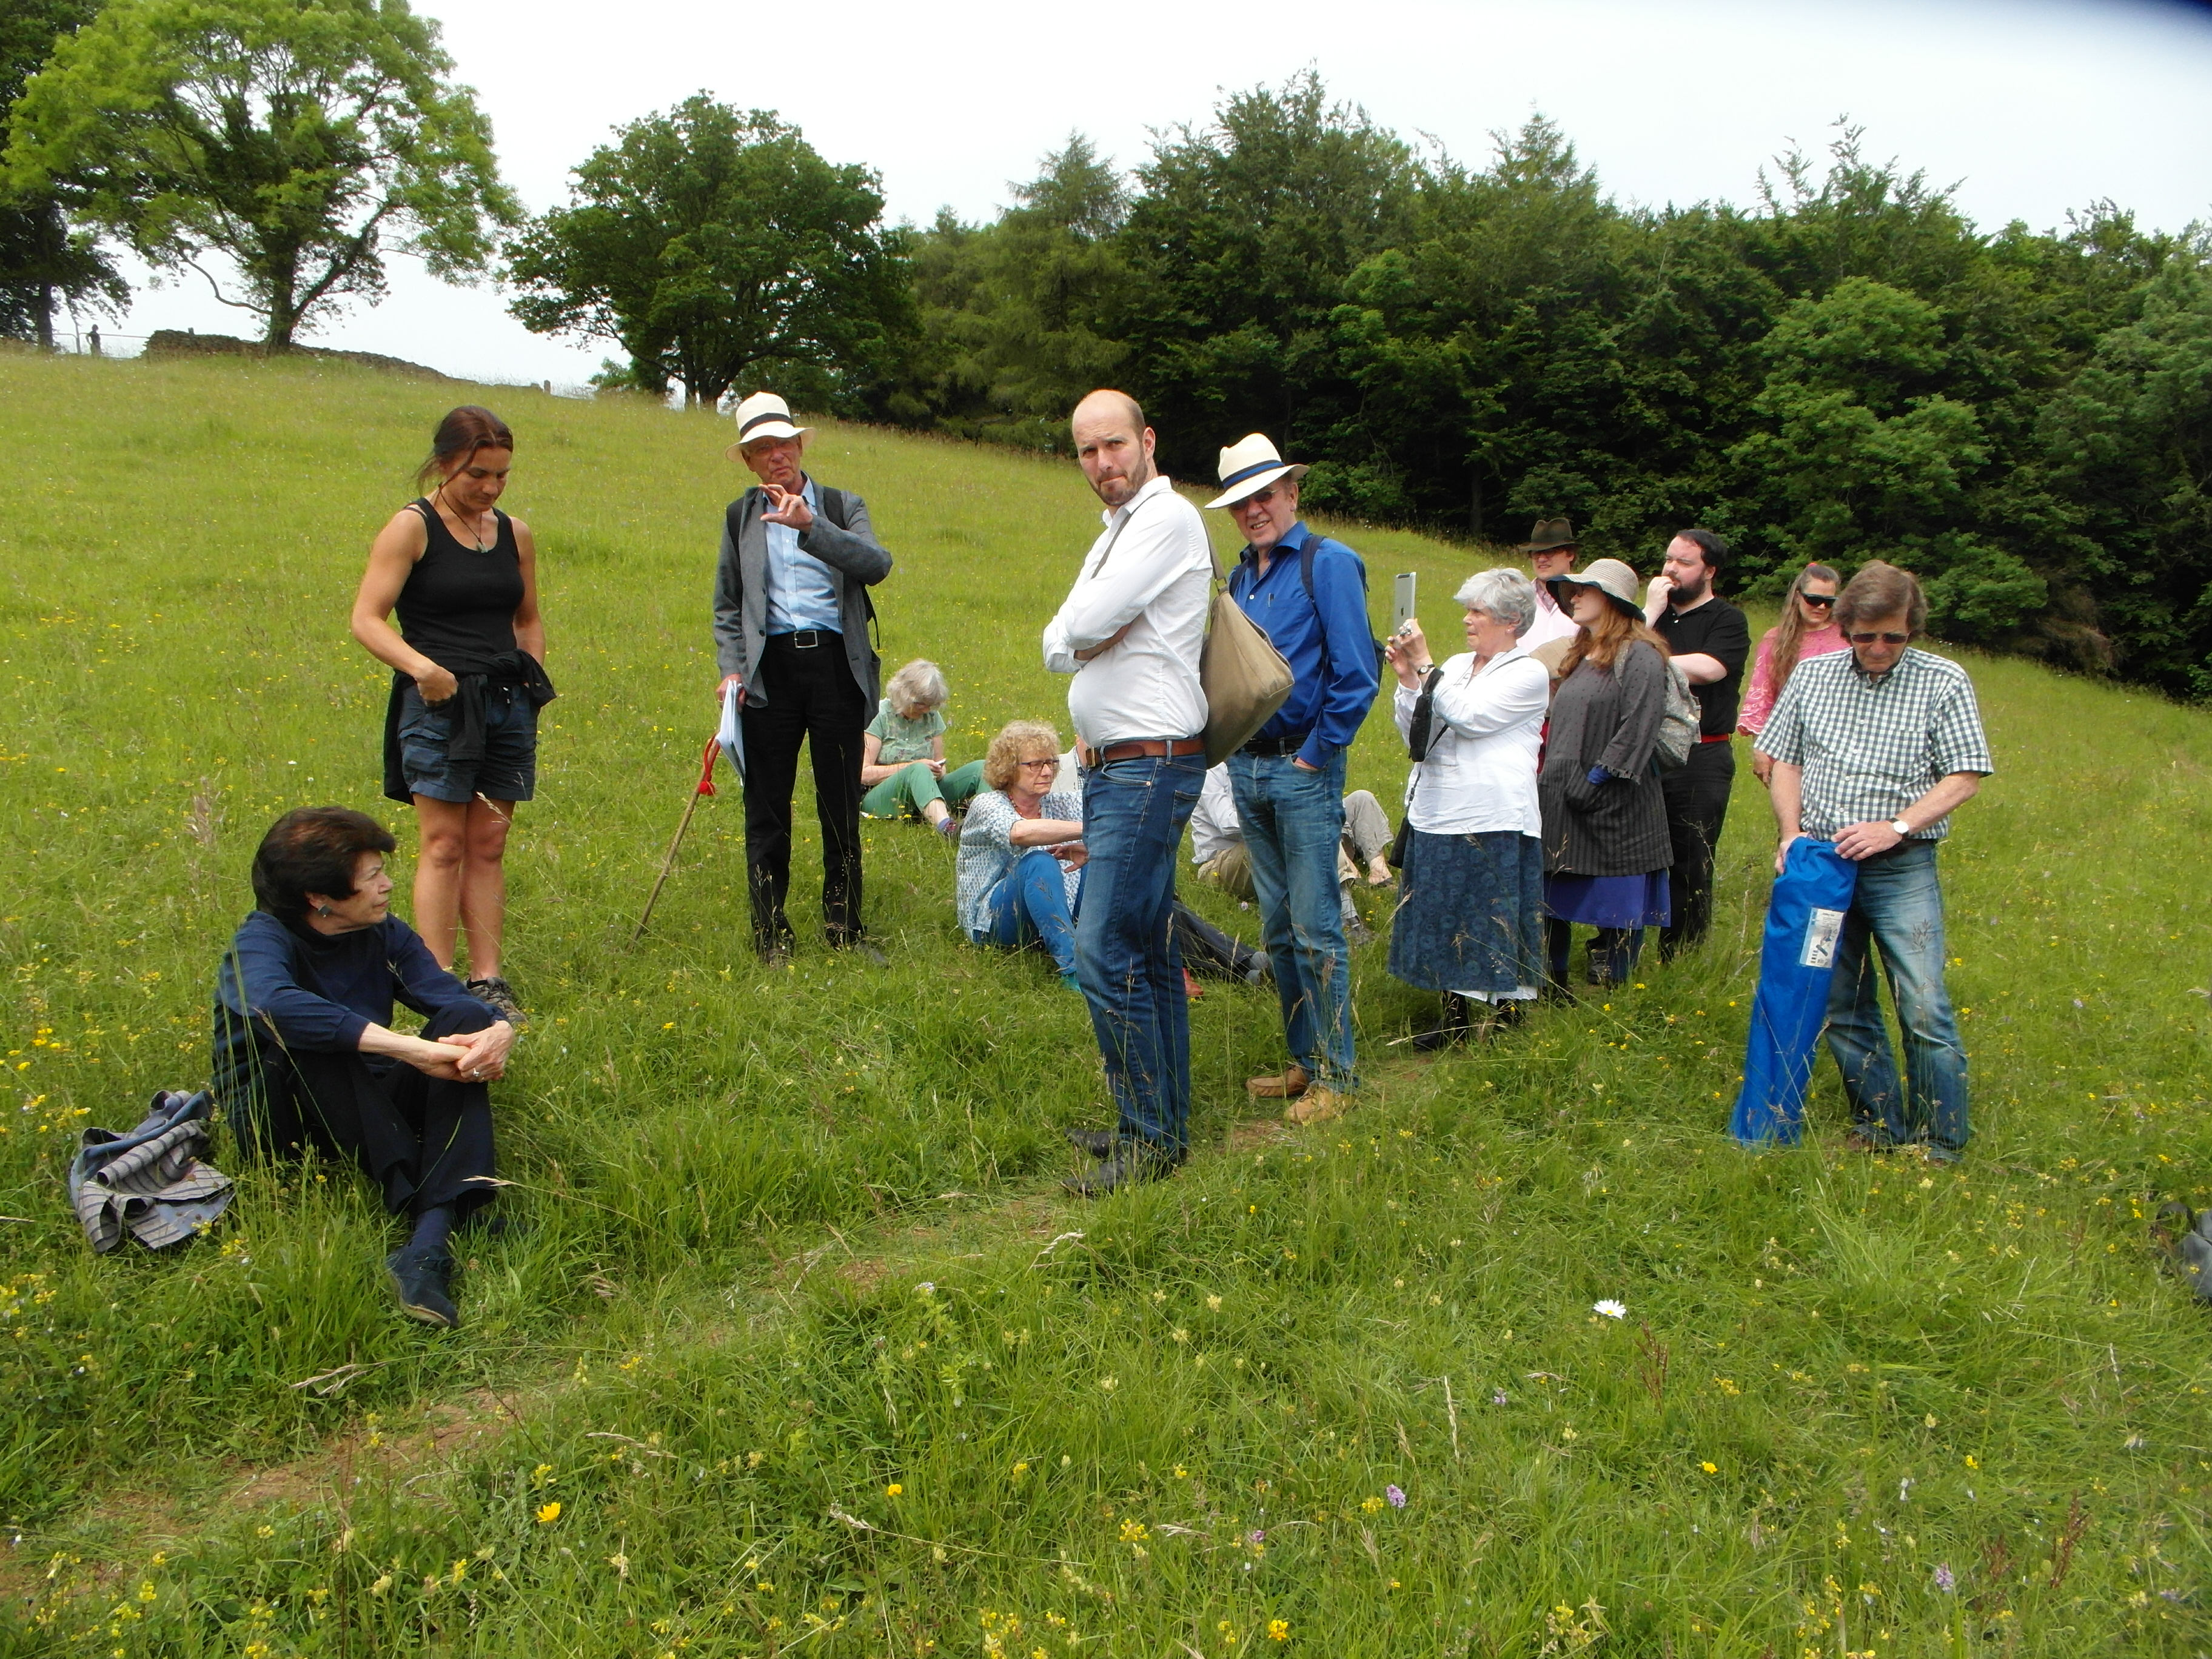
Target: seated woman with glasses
(1808,628)
(1021,849)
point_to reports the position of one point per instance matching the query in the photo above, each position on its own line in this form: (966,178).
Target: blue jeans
(1030,905)
(1125,956)
(1899,907)
(1293,820)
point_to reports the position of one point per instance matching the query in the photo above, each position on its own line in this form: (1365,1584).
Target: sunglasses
(1257,498)
(1886,639)
(1818,601)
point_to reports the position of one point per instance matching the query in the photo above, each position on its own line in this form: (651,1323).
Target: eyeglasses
(1257,498)
(1818,601)
(1887,638)
(1049,760)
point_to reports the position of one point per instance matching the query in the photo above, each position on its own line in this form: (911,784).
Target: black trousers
(812,699)
(1697,807)
(424,1140)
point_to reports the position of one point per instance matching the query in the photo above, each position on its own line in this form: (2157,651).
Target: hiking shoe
(1451,1029)
(1134,1163)
(1098,1143)
(1318,1104)
(420,1275)
(1357,932)
(1288,1085)
(499,994)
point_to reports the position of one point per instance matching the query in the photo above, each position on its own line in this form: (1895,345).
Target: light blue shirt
(801,591)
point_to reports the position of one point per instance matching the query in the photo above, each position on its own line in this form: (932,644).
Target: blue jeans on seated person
(1028,907)
(1293,822)
(1125,955)
(1899,905)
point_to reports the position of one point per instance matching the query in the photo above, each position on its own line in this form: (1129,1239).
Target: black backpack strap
(836,508)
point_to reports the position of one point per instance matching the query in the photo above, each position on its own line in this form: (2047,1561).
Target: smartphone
(1402,601)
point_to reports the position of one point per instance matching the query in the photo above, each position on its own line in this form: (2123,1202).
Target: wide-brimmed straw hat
(1549,536)
(1609,576)
(765,415)
(1249,465)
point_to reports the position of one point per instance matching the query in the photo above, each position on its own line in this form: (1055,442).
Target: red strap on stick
(707,767)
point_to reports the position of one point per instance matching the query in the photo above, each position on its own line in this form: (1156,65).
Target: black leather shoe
(1449,1031)
(1133,1164)
(420,1274)
(1096,1143)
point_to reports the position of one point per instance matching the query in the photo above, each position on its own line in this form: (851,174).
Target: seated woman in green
(903,756)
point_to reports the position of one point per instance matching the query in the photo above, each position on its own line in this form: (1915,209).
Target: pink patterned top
(1759,697)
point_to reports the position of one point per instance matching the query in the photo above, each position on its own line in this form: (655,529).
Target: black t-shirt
(1715,628)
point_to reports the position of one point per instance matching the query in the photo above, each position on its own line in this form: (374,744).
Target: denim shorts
(508,769)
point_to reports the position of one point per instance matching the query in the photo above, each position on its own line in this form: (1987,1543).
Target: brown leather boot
(1288,1086)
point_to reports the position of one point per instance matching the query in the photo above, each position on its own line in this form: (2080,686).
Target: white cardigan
(1480,773)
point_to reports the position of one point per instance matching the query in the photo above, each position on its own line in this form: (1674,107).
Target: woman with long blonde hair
(1808,628)
(1606,847)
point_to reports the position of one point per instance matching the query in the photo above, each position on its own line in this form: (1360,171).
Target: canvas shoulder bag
(1245,678)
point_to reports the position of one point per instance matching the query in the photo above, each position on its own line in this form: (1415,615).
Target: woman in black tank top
(467,660)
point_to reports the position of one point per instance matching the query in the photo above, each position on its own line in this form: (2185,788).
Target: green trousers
(914,786)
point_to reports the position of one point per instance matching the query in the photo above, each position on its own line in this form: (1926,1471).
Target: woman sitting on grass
(902,756)
(305,1054)
(1021,849)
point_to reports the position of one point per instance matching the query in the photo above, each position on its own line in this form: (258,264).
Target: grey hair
(1503,592)
(920,685)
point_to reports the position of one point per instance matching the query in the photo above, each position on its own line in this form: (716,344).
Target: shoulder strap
(833,505)
(1123,525)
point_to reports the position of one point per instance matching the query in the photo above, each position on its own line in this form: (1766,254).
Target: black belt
(1275,748)
(807,639)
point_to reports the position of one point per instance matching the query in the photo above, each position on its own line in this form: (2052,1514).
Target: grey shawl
(1608,718)
(149,1182)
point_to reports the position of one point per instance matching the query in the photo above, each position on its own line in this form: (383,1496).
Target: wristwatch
(1902,828)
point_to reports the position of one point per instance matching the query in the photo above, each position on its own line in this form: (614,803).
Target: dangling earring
(322,910)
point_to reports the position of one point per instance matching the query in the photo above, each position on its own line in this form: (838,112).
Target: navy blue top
(318,992)
(1325,639)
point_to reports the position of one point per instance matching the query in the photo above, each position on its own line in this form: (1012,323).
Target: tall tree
(297,138)
(712,246)
(45,263)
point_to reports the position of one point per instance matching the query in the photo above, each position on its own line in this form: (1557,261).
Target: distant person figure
(1130,631)
(1470,923)
(903,754)
(460,730)
(1710,641)
(1021,849)
(1606,850)
(305,1055)
(1550,550)
(1216,846)
(790,630)
(1808,628)
(1308,595)
(1873,749)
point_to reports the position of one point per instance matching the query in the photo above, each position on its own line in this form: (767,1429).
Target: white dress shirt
(1480,773)
(1157,575)
(1214,826)
(1550,623)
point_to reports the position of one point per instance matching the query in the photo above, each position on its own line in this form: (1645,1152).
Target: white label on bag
(1821,933)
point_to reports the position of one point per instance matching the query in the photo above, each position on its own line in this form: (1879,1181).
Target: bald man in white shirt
(1130,631)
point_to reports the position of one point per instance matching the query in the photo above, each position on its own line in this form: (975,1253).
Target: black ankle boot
(1451,1029)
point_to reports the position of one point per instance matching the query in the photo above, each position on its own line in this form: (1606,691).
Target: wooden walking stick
(706,786)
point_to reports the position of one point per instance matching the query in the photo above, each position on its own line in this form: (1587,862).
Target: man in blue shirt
(1309,595)
(791,632)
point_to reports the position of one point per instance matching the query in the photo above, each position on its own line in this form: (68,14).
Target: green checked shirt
(1870,747)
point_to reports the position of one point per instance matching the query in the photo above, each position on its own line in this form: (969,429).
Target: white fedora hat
(1249,466)
(765,415)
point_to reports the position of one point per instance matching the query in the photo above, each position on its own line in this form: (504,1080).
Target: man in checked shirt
(1872,750)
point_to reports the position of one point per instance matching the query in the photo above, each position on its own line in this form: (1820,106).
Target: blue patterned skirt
(1471,919)
(1608,900)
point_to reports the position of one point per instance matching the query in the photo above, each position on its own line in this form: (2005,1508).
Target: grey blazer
(856,560)
(1609,719)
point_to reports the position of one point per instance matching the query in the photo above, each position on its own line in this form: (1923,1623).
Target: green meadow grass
(804,1353)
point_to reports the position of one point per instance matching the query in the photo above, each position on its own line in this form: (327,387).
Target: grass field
(804,1352)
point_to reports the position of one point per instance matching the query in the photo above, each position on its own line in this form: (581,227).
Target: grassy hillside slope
(804,1350)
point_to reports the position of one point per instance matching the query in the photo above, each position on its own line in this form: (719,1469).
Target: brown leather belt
(1138,747)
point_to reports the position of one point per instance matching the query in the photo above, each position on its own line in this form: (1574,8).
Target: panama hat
(1609,576)
(1549,536)
(765,415)
(1248,466)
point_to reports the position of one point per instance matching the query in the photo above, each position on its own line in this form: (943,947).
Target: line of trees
(1845,369)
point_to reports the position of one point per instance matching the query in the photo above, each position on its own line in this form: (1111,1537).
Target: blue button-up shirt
(1325,639)
(802,593)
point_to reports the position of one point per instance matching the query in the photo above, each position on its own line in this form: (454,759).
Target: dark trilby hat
(1549,535)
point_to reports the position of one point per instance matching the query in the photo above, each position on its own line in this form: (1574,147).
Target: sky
(2031,107)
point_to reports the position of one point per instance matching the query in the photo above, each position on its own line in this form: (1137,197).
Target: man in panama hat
(790,630)
(1550,550)
(1309,594)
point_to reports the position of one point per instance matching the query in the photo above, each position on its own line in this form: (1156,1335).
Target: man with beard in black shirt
(1711,641)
